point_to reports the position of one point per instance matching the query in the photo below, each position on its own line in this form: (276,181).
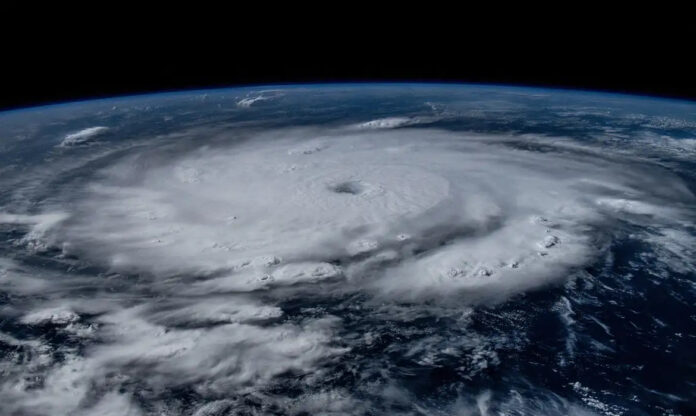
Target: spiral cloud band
(404,213)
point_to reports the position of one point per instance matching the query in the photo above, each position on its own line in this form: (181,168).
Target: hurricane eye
(350,187)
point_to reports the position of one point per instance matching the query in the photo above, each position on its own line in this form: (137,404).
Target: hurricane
(345,249)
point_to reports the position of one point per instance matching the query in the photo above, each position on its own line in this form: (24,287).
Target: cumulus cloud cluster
(199,246)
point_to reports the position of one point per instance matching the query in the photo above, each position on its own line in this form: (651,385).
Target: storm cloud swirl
(258,270)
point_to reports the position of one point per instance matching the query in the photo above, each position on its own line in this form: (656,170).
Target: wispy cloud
(82,136)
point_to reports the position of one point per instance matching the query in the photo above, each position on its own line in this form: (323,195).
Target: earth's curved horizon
(366,249)
(246,88)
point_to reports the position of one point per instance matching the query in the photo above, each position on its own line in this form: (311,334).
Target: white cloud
(386,123)
(83,136)
(39,225)
(252,99)
(60,316)
(113,404)
(218,359)
(396,122)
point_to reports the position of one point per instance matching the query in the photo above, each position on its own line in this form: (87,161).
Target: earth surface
(349,249)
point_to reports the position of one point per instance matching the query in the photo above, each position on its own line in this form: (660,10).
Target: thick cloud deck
(406,213)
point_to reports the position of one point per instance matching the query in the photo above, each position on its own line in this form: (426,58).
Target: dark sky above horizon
(86,63)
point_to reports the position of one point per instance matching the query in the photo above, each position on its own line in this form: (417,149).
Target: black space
(89,62)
